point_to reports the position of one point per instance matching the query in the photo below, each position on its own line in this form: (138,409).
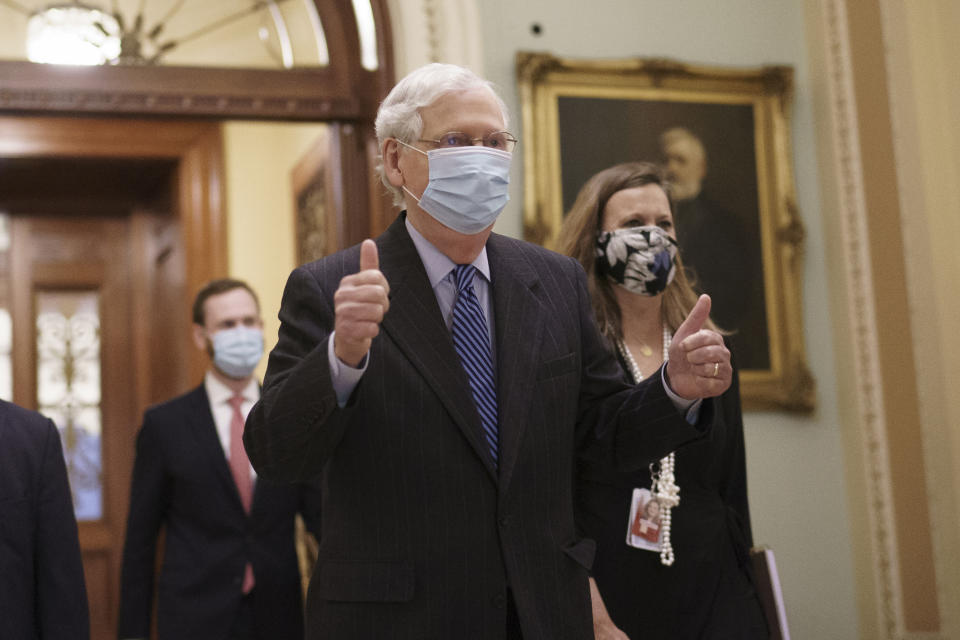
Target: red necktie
(240,468)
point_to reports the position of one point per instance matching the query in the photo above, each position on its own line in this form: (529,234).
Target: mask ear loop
(600,256)
(404,187)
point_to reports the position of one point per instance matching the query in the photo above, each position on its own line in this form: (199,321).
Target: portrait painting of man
(708,152)
(722,137)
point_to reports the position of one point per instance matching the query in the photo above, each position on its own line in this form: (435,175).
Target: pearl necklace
(663,484)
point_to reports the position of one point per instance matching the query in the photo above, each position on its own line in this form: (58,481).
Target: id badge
(643,527)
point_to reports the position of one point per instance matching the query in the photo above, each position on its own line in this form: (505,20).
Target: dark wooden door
(72,324)
(75,282)
(107,228)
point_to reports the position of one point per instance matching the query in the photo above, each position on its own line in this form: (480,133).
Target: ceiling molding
(427,31)
(180,91)
(341,91)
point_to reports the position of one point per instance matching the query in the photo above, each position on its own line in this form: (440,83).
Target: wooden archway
(343,94)
(343,90)
(170,115)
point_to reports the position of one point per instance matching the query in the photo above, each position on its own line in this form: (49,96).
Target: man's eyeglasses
(501,140)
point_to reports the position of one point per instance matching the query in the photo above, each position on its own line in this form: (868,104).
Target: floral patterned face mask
(643,260)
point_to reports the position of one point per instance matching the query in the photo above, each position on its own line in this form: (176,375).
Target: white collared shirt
(219,395)
(439,270)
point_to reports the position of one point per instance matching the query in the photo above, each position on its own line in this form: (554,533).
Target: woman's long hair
(578,239)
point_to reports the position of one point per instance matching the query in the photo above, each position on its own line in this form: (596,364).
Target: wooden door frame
(174,246)
(83,261)
(199,200)
(343,90)
(342,93)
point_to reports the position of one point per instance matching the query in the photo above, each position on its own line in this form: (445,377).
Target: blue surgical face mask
(237,351)
(468,186)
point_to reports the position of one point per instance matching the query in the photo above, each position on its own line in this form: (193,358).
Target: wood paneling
(161,230)
(86,254)
(162,236)
(343,90)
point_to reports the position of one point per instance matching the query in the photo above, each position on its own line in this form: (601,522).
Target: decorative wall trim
(342,90)
(436,31)
(862,320)
(431,11)
(112,97)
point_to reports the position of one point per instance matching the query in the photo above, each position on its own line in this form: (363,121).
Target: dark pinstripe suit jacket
(422,535)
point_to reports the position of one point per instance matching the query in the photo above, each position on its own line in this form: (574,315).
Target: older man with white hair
(443,382)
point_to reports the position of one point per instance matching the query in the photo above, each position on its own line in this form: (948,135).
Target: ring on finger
(716,369)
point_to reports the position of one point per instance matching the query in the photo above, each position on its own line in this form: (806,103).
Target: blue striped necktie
(472,343)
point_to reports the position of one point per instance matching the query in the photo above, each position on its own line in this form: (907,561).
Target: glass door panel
(68,388)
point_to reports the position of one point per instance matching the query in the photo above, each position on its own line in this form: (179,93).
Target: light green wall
(795,463)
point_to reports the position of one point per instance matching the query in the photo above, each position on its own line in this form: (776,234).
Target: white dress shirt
(219,395)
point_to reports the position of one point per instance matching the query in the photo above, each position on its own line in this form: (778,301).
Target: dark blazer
(42,591)
(422,535)
(181,479)
(708,592)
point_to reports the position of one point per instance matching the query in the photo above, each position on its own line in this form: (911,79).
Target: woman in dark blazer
(679,571)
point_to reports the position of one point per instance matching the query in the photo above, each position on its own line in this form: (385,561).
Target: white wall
(795,463)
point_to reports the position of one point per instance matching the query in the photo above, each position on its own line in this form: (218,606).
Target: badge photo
(643,526)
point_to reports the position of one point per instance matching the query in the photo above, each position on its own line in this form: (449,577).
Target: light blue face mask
(237,351)
(468,186)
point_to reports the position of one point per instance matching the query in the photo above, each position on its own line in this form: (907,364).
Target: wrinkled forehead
(468,110)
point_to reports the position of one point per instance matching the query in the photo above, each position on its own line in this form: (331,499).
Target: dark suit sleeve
(149,497)
(734,488)
(61,595)
(295,427)
(627,427)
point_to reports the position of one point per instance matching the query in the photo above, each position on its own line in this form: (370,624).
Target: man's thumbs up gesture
(359,304)
(699,365)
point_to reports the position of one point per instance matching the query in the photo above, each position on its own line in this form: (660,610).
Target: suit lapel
(414,323)
(519,321)
(204,429)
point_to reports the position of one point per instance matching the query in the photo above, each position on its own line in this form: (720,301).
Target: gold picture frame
(582,116)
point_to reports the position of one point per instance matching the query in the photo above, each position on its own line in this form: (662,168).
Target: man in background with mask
(443,382)
(229,568)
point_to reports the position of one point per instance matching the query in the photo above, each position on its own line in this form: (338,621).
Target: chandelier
(87,34)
